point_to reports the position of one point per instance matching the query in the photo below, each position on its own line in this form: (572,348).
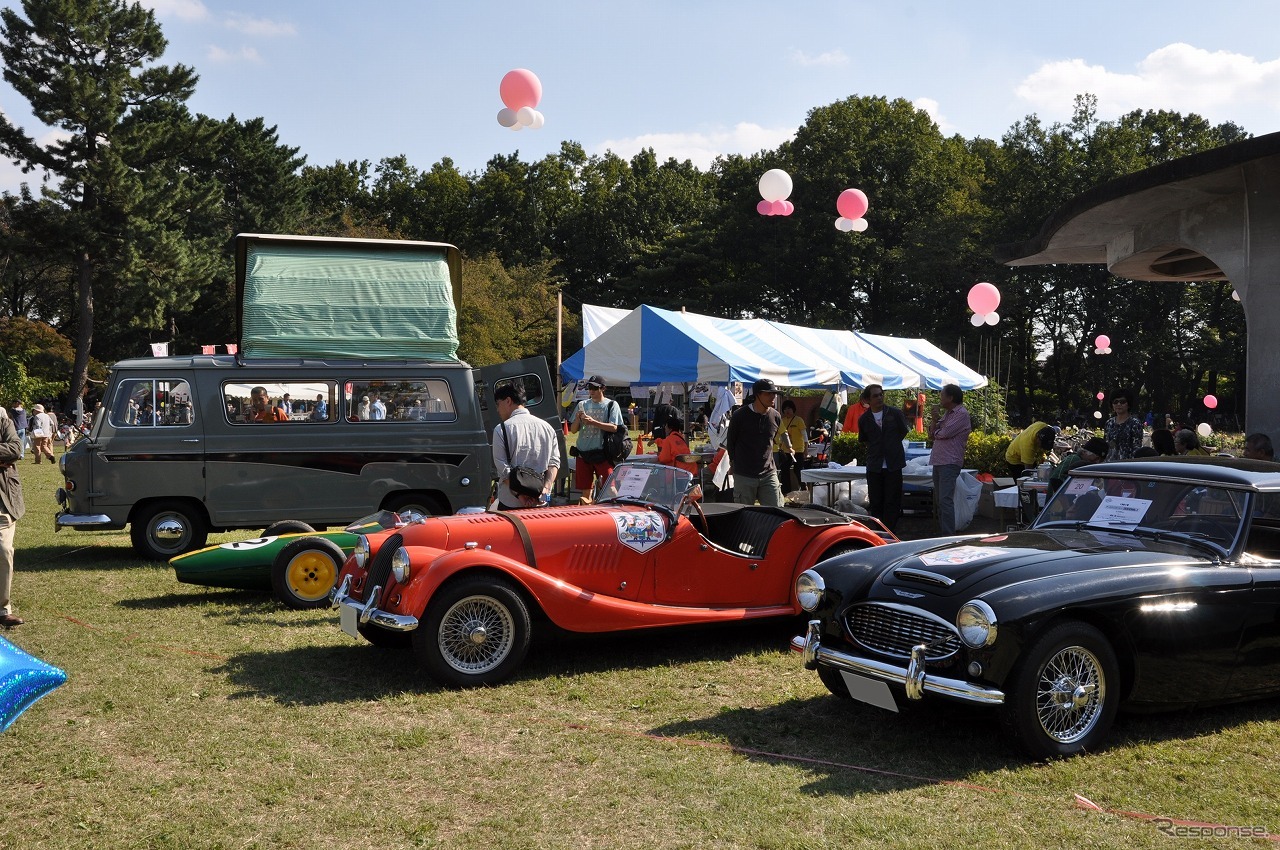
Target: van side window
(429,400)
(152,402)
(288,402)
(533,389)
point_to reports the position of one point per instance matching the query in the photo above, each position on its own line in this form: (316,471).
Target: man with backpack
(594,417)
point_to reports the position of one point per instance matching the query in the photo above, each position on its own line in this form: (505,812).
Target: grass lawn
(203,718)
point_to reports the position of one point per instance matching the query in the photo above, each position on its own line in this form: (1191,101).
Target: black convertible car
(1144,585)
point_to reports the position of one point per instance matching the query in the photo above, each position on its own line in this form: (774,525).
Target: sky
(693,79)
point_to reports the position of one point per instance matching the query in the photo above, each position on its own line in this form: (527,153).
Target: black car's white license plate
(870,691)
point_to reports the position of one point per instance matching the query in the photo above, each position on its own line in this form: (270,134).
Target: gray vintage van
(188,445)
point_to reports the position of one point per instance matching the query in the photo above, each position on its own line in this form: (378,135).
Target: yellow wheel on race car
(305,571)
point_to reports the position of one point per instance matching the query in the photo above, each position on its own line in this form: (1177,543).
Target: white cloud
(222,55)
(831,58)
(187,10)
(1218,85)
(930,107)
(700,147)
(261,27)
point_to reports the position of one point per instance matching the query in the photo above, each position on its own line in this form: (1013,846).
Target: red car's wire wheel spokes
(476,634)
(1070,694)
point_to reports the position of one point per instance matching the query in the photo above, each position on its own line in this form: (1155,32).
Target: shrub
(844,448)
(985,453)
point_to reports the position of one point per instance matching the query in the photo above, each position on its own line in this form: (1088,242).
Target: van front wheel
(165,529)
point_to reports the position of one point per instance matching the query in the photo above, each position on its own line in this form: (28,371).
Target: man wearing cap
(750,445)
(1093,451)
(594,416)
(42,430)
(11,510)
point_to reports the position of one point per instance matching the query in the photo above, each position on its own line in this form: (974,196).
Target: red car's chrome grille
(895,630)
(380,570)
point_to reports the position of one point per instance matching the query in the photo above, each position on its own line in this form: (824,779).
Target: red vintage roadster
(462,589)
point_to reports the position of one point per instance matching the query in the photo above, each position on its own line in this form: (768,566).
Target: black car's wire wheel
(1064,693)
(474,632)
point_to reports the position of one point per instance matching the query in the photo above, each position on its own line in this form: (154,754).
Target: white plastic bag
(968,491)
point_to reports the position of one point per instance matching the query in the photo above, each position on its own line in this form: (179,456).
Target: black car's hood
(961,566)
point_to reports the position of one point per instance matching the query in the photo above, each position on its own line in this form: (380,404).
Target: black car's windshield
(652,483)
(1198,511)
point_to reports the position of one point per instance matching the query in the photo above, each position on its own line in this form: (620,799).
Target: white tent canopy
(650,346)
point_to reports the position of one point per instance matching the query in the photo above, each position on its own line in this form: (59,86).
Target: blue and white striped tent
(936,367)
(654,346)
(861,363)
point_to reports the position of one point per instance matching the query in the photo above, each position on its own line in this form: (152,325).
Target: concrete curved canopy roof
(1096,226)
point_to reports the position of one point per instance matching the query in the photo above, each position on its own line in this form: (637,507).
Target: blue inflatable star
(23,680)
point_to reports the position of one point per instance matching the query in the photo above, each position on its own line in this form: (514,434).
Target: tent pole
(559,338)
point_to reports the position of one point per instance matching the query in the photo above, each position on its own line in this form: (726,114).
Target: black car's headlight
(361,551)
(977,624)
(809,590)
(400,565)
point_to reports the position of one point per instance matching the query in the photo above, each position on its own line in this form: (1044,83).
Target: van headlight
(400,565)
(361,551)
(977,624)
(809,590)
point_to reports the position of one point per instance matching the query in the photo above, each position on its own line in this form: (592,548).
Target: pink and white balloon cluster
(521,90)
(852,205)
(1102,345)
(775,188)
(984,298)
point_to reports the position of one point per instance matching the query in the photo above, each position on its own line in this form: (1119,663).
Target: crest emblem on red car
(640,531)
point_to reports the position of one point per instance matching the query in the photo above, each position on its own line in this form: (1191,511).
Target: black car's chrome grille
(380,569)
(895,629)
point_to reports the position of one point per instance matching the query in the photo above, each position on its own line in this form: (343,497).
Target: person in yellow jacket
(789,446)
(1029,447)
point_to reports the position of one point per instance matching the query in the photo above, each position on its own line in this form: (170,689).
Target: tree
(506,314)
(86,67)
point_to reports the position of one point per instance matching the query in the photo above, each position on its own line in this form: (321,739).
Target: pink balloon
(1211,401)
(984,298)
(765,207)
(779,208)
(520,88)
(852,203)
(788,208)
(1103,341)
(1101,396)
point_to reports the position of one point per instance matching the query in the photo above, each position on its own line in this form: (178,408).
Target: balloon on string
(1097,414)
(764,207)
(520,88)
(859,225)
(844,225)
(787,207)
(775,185)
(507,117)
(1103,341)
(977,320)
(984,298)
(1204,429)
(852,203)
(538,120)
(993,318)
(23,680)
(1101,396)
(1211,401)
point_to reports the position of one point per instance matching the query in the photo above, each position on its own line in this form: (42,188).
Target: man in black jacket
(881,431)
(11,510)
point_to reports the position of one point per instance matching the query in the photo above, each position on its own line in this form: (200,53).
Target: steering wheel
(1211,527)
(702,517)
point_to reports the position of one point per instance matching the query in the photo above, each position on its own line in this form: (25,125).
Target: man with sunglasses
(749,442)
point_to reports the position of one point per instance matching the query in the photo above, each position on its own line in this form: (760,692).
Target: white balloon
(775,185)
(517,126)
(1204,429)
(524,115)
(538,120)
(859,225)
(1097,414)
(1097,351)
(977,319)
(1235,296)
(1106,350)
(992,318)
(844,225)
(507,117)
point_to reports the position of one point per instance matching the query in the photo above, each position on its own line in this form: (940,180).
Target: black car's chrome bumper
(912,677)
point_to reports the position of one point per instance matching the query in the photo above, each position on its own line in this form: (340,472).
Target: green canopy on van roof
(347,298)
